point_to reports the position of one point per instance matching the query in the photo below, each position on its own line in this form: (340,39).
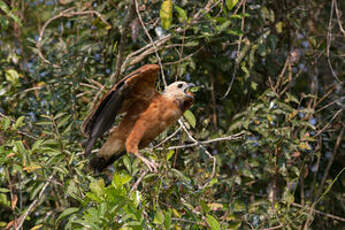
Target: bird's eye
(179,85)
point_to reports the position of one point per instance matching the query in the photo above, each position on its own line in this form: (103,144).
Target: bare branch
(152,42)
(332,119)
(153,46)
(123,40)
(274,228)
(168,138)
(338,218)
(34,203)
(329,41)
(243,2)
(203,148)
(236,136)
(136,184)
(188,221)
(148,49)
(67,14)
(339,19)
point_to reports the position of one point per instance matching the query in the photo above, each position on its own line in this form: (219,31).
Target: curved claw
(150,164)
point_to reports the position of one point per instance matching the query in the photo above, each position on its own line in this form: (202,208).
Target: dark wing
(137,85)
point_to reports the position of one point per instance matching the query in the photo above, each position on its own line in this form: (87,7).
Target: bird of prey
(147,114)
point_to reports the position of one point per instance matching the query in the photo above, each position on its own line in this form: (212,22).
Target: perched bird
(147,114)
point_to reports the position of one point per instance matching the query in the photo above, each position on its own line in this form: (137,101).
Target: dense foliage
(269,109)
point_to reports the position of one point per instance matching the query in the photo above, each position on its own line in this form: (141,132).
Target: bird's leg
(133,142)
(150,164)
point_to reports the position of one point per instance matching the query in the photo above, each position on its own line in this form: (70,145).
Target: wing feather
(138,85)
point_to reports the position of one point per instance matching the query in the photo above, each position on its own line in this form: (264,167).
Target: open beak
(189,94)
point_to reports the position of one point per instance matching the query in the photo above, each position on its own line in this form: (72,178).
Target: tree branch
(34,203)
(66,13)
(123,40)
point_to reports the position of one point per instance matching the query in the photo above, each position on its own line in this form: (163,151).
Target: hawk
(147,114)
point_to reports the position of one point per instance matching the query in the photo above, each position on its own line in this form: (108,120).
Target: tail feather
(99,163)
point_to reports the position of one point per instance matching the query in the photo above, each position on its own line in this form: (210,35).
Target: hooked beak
(188,94)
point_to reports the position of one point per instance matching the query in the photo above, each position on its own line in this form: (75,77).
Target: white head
(179,89)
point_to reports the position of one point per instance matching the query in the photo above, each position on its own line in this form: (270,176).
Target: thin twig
(273,228)
(136,184)
(342,219)
(203,148)
(148,49)
(243,2)
(152,42)
(29,90)
(309,220)
(339,19)
(182,59)
(188,221)
(147,52)
(123,40)
(19,131)
(88,85)
(326,126)
(66,13)
(34,203)
(324,178)
(330,91)
(168,138)
(97,83)
(154,45)
(219,139)
(331,160)
(328,105)
(329,41)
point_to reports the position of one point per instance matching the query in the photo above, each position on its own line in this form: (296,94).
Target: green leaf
(12,76)
(288,198)
(4,200)
(63,121)
(231,4)
(167,220)
(3,22)
(19,122)
(166,14)
(127,163)
(120,179)
(5,123)
(239,206)
(159,217)
(223,26)
(57,116)
(204,207)
(190,118)
(4,7)
(212,222)
(180,174)
(67,212)
(170,154)
(36,190)
(182,15)
(234,226)
(4,190)
(37,227)
(19,147)
(97,187)
(15,18)
(93,197)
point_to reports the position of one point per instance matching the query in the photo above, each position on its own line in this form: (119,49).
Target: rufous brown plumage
(147,114)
